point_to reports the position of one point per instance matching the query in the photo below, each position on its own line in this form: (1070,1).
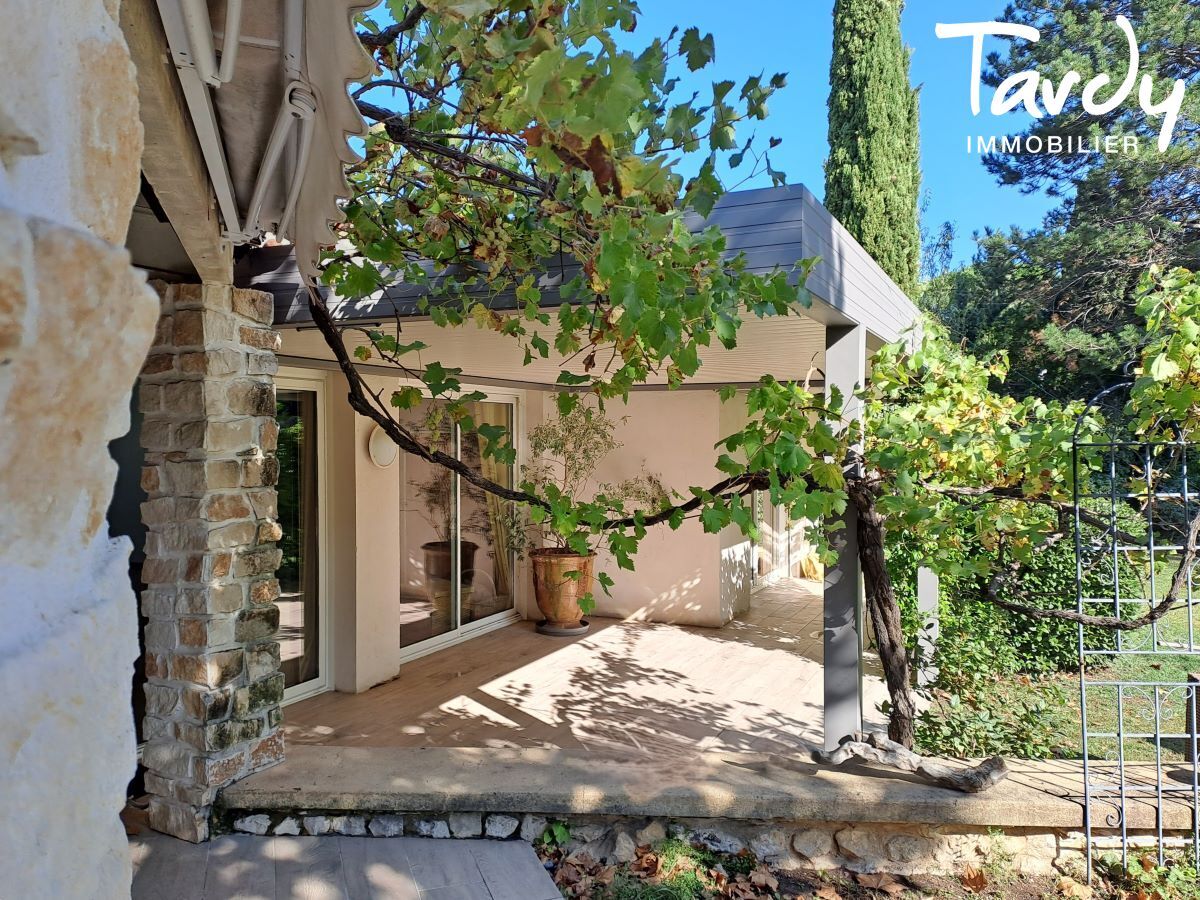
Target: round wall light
(382,449)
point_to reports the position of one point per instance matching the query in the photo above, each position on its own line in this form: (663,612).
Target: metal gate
(1135,501)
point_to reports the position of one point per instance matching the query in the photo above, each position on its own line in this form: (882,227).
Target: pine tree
(873,176)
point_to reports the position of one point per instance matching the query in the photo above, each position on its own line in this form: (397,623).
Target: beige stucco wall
(75,322)
(683,576)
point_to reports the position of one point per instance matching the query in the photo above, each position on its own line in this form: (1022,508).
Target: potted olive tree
(565,452)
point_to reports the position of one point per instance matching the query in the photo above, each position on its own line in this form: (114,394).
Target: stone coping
(1043,795)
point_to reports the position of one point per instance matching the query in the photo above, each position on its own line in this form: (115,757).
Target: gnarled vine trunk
(885,615)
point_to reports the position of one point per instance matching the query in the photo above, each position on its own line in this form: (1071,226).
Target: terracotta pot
(438,578)
(556,593)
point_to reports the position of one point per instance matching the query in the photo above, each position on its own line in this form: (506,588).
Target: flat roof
(773,227)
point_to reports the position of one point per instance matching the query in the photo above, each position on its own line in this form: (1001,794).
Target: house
(276,551)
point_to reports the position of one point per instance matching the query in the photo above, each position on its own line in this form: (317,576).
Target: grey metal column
(845,368)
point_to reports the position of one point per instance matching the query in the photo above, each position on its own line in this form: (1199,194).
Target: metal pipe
(201,49)
(229,43)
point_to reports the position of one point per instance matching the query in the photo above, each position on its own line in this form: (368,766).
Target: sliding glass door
(456,555)
(301,610)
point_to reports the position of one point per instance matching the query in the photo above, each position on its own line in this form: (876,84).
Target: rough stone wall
(898,849)
(75,322)
(213,682)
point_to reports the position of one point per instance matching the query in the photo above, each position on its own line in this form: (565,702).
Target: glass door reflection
(457,557)
(299,594)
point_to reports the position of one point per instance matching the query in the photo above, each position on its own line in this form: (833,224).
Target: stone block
(150,479)
(212,363)
(161,699)
(160,570)
(433,828)
(220,770)
(182,821)
(316,825)
(158,512)
(160,634)
(157,603)
(386,826)
(168,758)
(156,436)
(229,436)
(813,843)
(262,660)
(262,363)
(260,472)
(265,503)
(352,826)
(222,507)
(222,474)
(149,399)
(235,534)
(263,561)
(260,695)
(501,826)
(265,591)
(256,305)
(214,600)
(268,435)
(532,827)
(184,398)
(260,338)
(655,832)
(465,824)
(200,327)
(257,623)
(204,706)
(164,332)
(186,478)
(717,841)
(215,631)
(268,532)
(287,826)
(911,848)
(256,824)
(214,669)
(247,397)
(624,850)
(267,751)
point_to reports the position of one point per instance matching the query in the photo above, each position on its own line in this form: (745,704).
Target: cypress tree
(873,174)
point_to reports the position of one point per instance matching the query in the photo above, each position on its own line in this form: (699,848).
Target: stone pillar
(75,322)
(213,682)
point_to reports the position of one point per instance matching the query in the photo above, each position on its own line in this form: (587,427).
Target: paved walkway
(755,685)
(336,868)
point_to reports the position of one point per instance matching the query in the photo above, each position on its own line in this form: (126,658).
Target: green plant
(556,834)
(1176,880)
(990,720)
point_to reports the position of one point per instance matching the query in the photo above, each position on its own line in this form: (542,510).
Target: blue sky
(796,36)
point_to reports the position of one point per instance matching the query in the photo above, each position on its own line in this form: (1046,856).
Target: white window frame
(460,633)
(317,381)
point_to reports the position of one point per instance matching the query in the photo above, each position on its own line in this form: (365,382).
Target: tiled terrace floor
(628,687)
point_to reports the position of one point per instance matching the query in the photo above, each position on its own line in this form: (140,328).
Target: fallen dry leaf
(881,882)
(973,880)
(1069,887)
(762,877)
(828,892)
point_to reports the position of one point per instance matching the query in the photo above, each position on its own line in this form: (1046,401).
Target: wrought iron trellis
(1134,501)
